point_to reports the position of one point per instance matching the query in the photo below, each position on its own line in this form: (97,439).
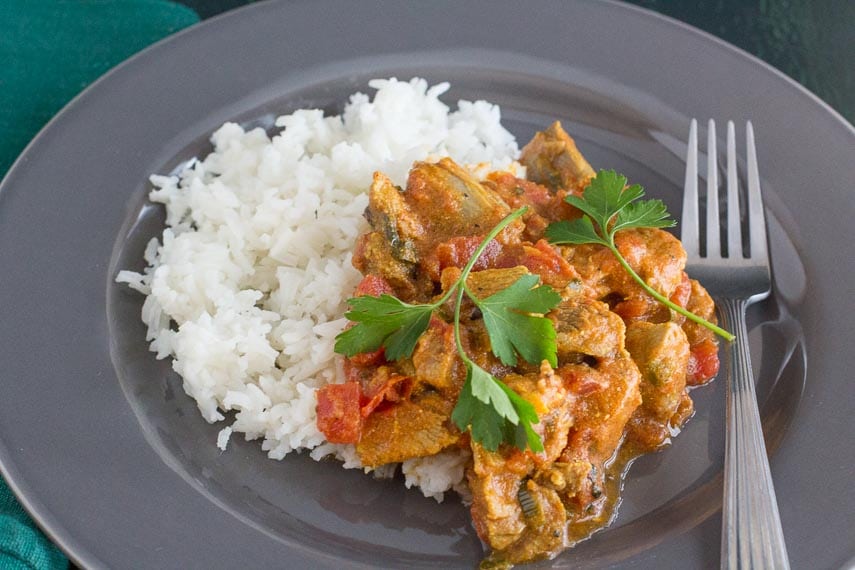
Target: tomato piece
(373,285)
(580,380)
(543,260)
(391,390)
(366,359)
(457,252)
(338,412)
(632,308)
(681,294)
(703,362)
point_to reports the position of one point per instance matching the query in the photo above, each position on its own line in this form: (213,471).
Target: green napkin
(49,51)
(22,545)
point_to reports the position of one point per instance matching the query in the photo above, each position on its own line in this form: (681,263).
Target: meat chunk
(411,428)
(489,281)
(391,216)
(552,159)
(496,510)
(374,255)
(545,518)
(657,257)
(436,362)
(450,202)
(547,393)
(601,415)
(545,205)
(661,352)
(586,327)
(703,355)
(497,478)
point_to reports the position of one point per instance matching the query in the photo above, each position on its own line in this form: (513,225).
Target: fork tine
(689,219)
(734,227)
(756,216)
(713,229)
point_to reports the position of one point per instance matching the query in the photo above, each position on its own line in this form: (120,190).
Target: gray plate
(112,459)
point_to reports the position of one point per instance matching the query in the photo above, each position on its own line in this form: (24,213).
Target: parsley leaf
(494,412)
(511,326)
(579,231)
(488,390)
(606,195)
(486,421)
(609,206)
(644,214)
(383,321)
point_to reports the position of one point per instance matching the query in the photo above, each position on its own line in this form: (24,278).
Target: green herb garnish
(609,206)
(514,322)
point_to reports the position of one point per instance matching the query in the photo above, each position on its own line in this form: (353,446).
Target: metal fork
(751,527)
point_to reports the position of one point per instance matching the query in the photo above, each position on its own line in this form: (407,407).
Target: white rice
(246,288)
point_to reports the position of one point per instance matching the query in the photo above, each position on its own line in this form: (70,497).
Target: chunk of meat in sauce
(411,428)
(498,479)
(661,352)
(584,327)
(545,205)
(373,255)
(657,257)
(703,356)
(436,362)
(602,414)
(449,202)
(552,159)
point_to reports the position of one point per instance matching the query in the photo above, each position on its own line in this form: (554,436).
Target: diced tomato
(457,251)
(703,362)
(681,294)
(393,389)
(545,261)
(338,412)
(518,192)
(373,285)
(579,381)
(632,308)
(366,359)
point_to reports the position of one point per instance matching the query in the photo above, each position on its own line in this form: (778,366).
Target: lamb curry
(624,361)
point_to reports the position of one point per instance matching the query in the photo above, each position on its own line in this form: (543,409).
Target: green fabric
(49,51)
(22,545)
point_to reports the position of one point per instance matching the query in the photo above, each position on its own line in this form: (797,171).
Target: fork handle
(751,526)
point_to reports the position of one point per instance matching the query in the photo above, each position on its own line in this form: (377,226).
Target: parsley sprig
(513,318)
(609,206)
